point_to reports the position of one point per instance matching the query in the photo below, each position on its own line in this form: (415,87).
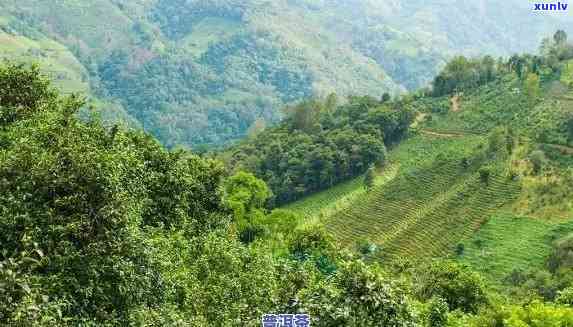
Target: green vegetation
(461,288)
(437,195)
(507,243)
(201,73)
(532,90)
(477,160)
(103,226)
(322,203)
(462,74)
(55,60)
(100,225)
(320,144)
(325,203)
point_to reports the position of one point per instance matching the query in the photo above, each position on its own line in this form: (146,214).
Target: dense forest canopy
(104,226)
(462,74)
(202,73)
(321,143)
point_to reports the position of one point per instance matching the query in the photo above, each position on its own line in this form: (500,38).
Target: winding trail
(442,134)
(563,148)
(455,101)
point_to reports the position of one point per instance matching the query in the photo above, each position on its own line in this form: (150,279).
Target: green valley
(201,73)
(485,178)
(285,163)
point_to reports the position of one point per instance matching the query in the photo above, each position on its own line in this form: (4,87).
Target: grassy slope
(66,72)
(403,158)
(422,187)
(509,242)
(431,204)
(55,60)
(96,27)
(210,30)
(324,204)
(503,102)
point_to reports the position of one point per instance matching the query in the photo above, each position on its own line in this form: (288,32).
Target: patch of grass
(502,103)
(208,31)
(567,73)
(321,205)
(507,242)
(55,60)
(99,24)
(483,109)
(403,158)
(432,203)
(545,194)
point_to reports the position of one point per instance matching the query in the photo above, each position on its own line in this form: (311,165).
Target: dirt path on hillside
(455,101)
(562,148)
(564,97)
(442,134)
(419,119)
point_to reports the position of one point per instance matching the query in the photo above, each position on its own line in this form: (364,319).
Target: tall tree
(23,92)
(531,86)
(256,128)
(369,178)
(570,128)
(304,115)
(244,193)
(560,37)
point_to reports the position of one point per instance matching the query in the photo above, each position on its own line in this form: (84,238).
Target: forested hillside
(450,222)
(203,72)
(483,178)
(102,226)
(320,144)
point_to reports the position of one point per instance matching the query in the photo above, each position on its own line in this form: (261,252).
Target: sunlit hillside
(203,72)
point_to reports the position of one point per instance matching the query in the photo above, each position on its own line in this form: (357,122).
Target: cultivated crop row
(430,207)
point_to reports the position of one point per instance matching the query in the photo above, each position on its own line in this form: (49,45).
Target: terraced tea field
(507,242)
(325,203)
(452,217)
(436,199)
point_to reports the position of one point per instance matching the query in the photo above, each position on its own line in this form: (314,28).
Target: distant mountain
(197,72)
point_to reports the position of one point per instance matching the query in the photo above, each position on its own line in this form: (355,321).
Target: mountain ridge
(202,72)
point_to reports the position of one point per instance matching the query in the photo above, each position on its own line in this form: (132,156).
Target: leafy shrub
(538,160)
(319,145)
(565,297)
(460,248)
(462,74)
(460,287)
(358,296)
(484,174)
(23,92)
(437,315)
(539,314)
(315,240)
(516,277)
(562,255)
